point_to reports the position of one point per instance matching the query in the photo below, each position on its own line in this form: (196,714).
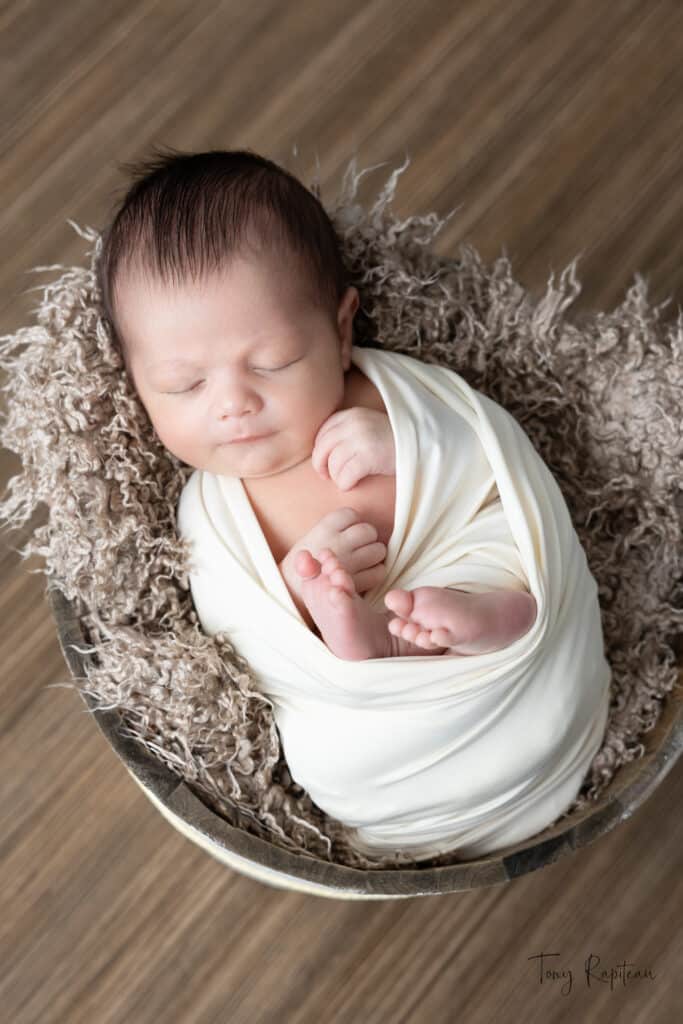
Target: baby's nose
(234,409)
(238,402)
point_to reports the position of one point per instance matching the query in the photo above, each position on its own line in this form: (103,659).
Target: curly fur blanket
(600,396)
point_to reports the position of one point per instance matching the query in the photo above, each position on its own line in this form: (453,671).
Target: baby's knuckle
(363,534)
(375,551)
(344,516)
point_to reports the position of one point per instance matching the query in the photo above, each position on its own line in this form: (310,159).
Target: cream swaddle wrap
(426,754)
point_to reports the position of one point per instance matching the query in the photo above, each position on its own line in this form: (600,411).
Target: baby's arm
(352,444)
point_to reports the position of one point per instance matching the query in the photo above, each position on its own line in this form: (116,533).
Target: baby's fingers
(330,435)
(322,449)
(369,554)
(366,579)
(345,468)
(319,458)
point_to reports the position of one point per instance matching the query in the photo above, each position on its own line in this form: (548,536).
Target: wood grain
(554,128)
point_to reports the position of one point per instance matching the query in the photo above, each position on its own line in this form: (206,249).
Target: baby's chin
(251,461)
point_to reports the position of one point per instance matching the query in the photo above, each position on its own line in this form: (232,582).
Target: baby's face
(244,353)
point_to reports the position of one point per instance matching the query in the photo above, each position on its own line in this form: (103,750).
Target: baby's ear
(347,310)
(348,307)
(354,300)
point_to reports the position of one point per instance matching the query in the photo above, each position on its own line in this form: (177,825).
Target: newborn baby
(245,373)
(353,512)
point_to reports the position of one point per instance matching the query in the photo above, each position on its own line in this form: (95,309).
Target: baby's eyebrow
(198,366)
(173,362)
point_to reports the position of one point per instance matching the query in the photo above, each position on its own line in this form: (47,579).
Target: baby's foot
(347,624)
(423,617)
(432,617)
(465,623)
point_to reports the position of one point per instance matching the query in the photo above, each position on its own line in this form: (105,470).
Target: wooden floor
(556,127)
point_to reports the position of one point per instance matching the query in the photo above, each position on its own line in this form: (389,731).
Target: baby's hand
(353,542)
(352,444)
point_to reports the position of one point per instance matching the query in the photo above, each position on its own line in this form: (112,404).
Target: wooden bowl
(259,859)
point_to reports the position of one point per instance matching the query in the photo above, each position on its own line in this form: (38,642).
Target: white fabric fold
(426,754)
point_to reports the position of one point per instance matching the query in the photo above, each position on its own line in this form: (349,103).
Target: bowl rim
(630,786)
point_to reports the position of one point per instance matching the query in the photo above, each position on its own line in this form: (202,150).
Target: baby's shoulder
(361,391)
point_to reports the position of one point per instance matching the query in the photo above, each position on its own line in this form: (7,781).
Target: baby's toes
(413,633)
(426,639)
(306,564)
(341,578)
(442,637)
(410,631)
(339,596)
(399,601)
(336,573)
(329,563)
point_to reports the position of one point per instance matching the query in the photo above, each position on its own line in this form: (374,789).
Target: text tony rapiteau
(593,973)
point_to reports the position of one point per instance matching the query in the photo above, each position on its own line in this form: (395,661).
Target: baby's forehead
(149,307)
(274,269)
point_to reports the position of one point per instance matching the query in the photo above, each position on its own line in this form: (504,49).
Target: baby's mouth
(244,440)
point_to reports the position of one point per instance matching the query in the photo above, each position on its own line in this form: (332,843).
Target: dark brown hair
(188,214)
